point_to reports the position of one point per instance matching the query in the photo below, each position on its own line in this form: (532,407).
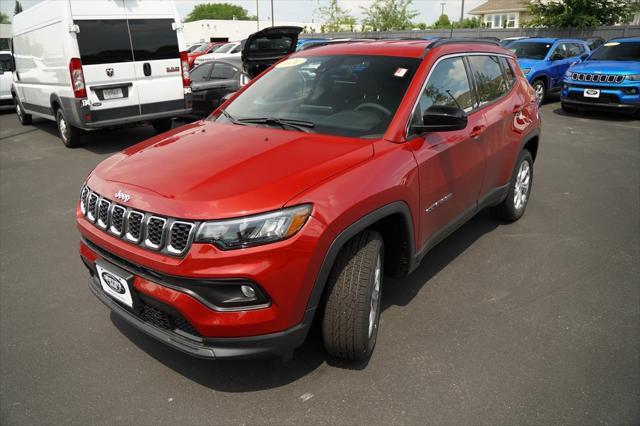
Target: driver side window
(448,85)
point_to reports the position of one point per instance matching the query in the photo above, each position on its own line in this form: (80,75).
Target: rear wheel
(24,118)
(71,136)
(513,207)
(540,90)
(163,125)
(352,308)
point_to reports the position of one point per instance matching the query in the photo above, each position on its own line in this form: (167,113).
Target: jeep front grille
(597,78)
(168,235)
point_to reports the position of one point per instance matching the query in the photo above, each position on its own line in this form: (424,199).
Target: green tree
(442,22)
(17,8)
(4,19)
(336,18)
(384,15)
(225,11)
(580,13)
(469,23)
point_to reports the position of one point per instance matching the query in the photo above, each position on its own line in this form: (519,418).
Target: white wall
(203,30)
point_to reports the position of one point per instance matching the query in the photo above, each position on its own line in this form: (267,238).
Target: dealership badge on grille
(122,196)
(113,283)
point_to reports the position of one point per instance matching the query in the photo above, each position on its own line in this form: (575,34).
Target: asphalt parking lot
(536,322)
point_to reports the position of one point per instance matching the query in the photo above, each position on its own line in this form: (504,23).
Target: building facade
(502,13)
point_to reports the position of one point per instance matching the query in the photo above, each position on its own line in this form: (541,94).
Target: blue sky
(305,10)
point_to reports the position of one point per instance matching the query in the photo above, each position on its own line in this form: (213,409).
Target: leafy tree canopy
(384,15)
(17,8)
(4,19)
(442,22)
(336,18)
(580,13)
(226,11)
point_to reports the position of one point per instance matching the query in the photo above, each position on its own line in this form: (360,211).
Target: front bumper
(273,344)
(612,96)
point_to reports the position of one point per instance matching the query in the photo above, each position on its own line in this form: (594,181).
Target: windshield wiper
(230,117)
(300,125)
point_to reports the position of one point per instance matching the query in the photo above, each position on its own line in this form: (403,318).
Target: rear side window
(153,39)
(448,81)
(6,64)
(223,71)
(104,41)
(489,79)
(508,71)
(200,73)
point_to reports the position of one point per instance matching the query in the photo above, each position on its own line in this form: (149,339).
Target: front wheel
(540,90)
(24,118)
(513,207)
(71,136)
(352,308)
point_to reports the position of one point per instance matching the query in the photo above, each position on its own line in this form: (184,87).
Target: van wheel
(71,136)
(352,308)
(163,125)
(24,118)
(540,90)
(513,207)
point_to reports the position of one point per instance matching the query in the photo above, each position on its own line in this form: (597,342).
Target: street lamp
(257,17)
(272,13)
(442,4)
(462,14)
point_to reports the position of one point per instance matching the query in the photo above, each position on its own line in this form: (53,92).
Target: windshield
(344,95)
(529,50)
(224,48)
(200,48)
(616,51)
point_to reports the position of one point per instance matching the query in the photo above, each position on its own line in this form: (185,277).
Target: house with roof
(502,13)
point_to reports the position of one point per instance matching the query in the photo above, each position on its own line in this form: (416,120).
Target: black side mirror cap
(442,118)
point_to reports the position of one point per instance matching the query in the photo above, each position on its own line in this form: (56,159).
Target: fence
(606,33)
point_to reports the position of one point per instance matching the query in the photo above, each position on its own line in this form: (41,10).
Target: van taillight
(184,65)
(77,78)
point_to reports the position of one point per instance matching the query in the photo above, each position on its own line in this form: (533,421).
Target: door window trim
(478,107)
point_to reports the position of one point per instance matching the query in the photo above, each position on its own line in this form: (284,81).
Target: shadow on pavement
(598,115)
(258,374)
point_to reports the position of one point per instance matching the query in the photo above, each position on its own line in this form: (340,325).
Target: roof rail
(444,41)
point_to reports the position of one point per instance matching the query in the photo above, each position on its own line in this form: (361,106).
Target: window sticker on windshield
(291,62)
(400,72)
(612,43)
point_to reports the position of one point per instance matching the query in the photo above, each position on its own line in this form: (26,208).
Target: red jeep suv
(335,167)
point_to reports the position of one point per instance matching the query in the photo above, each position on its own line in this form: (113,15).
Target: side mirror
(556,57)
(584,56)
(442,118)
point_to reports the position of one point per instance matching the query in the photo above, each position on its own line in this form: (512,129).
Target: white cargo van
(90,64)
(6,77)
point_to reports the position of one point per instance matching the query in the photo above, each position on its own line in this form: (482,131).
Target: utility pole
(462,14)
(257,17)
(442,4)
(272,13)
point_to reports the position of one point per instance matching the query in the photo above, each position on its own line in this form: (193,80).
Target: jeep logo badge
(122,196)
(113,283)
(109,72)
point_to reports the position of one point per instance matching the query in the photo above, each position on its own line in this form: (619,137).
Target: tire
(163,125)
(567,108)
(352,307)
(513,207)
(71,136)
(540,90)
(24,118)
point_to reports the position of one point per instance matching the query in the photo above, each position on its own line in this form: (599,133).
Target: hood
(608,67)
(209,170)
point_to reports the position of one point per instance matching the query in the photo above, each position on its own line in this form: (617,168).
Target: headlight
(526,71)
(633,77)
(254,230)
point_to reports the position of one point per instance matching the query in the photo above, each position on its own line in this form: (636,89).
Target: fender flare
(396,207)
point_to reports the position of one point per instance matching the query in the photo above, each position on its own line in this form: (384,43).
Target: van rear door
(107,65)
(156,55)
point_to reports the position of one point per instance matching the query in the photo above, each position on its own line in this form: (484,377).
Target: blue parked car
(609,78)
(545,60)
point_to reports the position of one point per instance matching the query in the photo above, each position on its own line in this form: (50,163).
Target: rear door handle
(477,131)
(146,68)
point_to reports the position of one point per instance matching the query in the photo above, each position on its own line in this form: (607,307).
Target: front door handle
(477,131)
(146,67)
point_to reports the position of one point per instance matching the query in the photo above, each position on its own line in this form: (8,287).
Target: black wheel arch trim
(396,207)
